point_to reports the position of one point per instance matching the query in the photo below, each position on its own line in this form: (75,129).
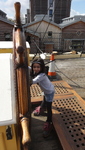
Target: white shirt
(44,83)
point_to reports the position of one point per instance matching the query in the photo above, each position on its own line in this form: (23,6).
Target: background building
(38,7)
(61,10)
(73,33)
(3,14)
(55,9)
(6,29)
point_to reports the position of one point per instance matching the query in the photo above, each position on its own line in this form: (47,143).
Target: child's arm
(38,78)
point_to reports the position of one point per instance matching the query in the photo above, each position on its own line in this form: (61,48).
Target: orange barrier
(51,71)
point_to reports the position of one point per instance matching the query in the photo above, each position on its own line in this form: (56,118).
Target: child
(40,78)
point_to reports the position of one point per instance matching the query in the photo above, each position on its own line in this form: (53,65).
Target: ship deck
(68,113)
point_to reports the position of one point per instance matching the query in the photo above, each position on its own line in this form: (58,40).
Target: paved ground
(73,72)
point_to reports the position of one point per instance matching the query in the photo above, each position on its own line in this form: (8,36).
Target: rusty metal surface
(69,120)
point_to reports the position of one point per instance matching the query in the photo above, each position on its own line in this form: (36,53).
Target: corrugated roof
(6,20)
(34,22)
(71,20)
(65,22)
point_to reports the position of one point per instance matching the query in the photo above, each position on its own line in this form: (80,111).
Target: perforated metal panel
(35,91)
(61,88)
(69,114)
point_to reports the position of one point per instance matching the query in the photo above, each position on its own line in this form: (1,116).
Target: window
(7,36)
(50,13)
(49,33)
(78,45)
(78,33)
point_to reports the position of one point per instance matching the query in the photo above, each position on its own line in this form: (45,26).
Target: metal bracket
(8,132)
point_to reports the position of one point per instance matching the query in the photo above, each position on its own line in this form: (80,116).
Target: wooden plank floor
(68,114)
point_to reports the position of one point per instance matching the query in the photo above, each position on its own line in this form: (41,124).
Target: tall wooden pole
(22,77)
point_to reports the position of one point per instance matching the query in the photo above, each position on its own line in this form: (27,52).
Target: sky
(7,6)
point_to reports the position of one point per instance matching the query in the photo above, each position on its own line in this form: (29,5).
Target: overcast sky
(77,7)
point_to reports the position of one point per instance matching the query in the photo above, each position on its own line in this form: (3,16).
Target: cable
(50,20)
(45,30)
(43,18)
(37,49)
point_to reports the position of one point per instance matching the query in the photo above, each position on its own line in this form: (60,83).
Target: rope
(50,20)
(45,30)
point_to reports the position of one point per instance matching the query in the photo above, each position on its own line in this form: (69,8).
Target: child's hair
(42,66)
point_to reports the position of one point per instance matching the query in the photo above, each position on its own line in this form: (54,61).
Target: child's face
(36,68)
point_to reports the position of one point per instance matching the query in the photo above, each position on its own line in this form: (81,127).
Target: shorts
(49,97)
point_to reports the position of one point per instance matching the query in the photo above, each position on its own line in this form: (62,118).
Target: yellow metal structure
(5,50)
(11,144)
